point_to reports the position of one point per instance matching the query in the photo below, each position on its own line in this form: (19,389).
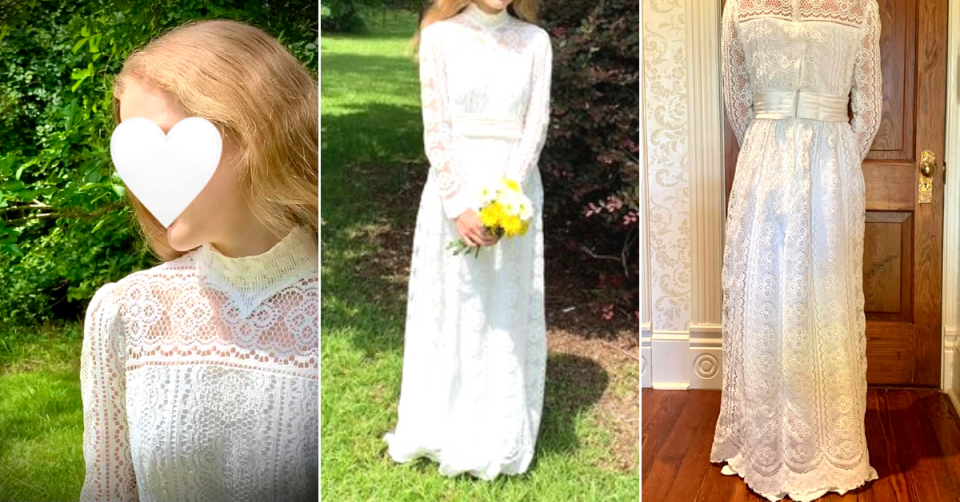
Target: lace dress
(794,382)
(475,343)
(199,379)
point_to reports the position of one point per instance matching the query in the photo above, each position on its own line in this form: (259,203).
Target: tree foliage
(64,226)
(347,16)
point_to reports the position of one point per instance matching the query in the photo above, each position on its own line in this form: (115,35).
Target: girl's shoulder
(531,29)
(439,29)
(166,273)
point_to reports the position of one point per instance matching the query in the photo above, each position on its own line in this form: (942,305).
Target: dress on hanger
(794,346)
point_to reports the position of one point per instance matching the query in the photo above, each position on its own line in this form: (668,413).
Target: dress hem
(487,472)
(808,496)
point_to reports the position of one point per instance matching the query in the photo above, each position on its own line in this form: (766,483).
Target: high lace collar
(288,260)
(484,18)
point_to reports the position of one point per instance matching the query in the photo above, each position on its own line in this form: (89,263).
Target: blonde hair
(243,81)
(524,10)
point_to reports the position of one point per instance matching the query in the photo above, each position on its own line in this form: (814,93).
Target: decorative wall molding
(684,192)
(707,188)
(706,352)
(645,306)
(667,119)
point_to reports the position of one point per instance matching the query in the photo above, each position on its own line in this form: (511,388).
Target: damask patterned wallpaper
(665,87)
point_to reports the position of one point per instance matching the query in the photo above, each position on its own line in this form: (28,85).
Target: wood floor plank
(694,465)
(657,426)
(927,474)
(716,487)
(945,424)
(913,437)
(882,448)
(670,455)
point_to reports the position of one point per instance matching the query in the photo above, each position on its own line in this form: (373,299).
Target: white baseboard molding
(955,398)
(670,359)
(682,360)
(951,358)
(645,380)
(952,378)
(670,386)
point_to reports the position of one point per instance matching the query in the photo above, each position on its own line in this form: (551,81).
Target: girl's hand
(472,231)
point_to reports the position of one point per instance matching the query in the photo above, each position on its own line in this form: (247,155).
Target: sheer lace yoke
(261,274)
(254,312)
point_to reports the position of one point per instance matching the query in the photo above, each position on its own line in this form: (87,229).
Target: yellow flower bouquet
(505,211)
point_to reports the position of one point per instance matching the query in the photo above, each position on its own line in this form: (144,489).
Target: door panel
(903,238)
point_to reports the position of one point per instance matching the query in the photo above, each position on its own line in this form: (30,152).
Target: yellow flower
(512,226)
(512,185)
(491,215)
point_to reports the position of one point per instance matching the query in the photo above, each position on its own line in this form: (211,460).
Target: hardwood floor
(913,437)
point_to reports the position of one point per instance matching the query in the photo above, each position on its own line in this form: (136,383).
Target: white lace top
(199,379)
(822,47)
(461,100)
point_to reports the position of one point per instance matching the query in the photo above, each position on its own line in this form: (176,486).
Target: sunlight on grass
(370,116)
(41,414)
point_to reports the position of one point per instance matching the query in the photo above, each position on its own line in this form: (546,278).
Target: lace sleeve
(737,95)
(437,136)
(867,92)
(106,439)
(524,158)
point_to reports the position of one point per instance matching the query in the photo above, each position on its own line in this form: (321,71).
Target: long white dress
(794,381)
(475,344)
(199,379)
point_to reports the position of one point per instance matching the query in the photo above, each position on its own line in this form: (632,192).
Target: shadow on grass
(366,134)
(370,130)
(366,155)
(574,385)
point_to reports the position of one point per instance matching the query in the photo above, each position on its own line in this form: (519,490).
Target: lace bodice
(805,45)
(199,379)
(473,87)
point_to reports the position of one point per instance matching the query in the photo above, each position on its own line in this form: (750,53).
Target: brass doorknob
(928,163)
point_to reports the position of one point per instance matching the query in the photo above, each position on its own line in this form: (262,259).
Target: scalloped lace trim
(798,486)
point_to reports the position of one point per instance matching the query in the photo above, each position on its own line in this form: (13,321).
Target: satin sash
(800,104)
(490,126)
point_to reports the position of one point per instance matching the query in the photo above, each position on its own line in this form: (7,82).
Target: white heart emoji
(166,171)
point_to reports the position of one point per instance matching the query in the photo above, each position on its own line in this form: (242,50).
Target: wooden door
(903,238)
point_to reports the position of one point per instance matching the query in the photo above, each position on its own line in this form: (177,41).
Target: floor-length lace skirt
(794,347)
(475,350)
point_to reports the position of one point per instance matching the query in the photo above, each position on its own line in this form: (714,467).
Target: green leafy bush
(64,226)
(590,163)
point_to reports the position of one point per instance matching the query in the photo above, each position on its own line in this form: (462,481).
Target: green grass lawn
(372,167)
(41,414)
